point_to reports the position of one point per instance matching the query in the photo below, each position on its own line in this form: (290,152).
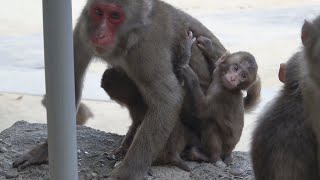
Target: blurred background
(269,29)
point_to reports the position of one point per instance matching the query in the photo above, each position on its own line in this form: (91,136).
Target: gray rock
(11,174)
(5,164)
(94,175)
(2,173)
(3,149)
(220,164)
(95,164)
(236,171)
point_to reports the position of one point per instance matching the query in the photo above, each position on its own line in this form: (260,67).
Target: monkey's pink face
(234,77)
(105,19)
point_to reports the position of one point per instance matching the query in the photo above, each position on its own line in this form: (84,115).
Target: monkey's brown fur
(310,66)
(123,90)
(115,81)
(140,38)
(220,111)
(83,114)
(284,147)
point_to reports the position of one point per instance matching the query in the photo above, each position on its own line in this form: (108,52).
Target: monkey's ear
(282,72)
(308,34)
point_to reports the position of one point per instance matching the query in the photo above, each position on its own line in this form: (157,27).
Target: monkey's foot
(182,165)
(228,160)
(36,156)
(204,43)
(118,154)
(196,155)
(175,160)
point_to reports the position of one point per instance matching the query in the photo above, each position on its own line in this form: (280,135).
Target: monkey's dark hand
(205,45)
(178,72)
(36,156)
(184,56)
(185,49)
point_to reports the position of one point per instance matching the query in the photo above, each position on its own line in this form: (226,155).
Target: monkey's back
(283,148)
(182,22)
(179,23)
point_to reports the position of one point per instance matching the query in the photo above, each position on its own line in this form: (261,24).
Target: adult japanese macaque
(116,84)
(284,144)
(140,38)
(220,109)
(311,77)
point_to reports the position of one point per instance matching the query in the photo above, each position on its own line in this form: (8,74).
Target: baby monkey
(220,109)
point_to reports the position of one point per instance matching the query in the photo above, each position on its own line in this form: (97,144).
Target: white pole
(59,66)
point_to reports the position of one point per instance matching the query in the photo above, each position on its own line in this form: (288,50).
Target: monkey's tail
(253,96)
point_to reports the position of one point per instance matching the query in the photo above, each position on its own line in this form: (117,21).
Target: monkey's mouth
(229,84)
(102,45)
(102,41)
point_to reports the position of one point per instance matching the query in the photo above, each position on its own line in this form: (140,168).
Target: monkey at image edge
(284,145)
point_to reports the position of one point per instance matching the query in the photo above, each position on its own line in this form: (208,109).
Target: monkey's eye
(243,76)
(99,12)
(115,15)
(235,68)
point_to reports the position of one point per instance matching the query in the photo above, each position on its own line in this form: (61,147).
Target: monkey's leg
(83,114)
(163,96)
(212,144)
(122,89)
(227,158)
(228,147)
(137,113)
(174,147)
(175,159)
(37,155)
(195,154)
(121,151)
(172,158)
(82,56)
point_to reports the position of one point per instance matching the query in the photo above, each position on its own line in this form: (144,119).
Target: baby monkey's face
(238,71)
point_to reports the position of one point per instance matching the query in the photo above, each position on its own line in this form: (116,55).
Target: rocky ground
(93,146)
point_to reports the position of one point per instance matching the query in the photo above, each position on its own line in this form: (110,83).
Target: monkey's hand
(205,45)
(36,156)
(185,49)
(184,56)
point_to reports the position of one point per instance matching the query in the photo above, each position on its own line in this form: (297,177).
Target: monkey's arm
(189,77)
(199,99)
(205,45)
(82,58)
(163,96)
